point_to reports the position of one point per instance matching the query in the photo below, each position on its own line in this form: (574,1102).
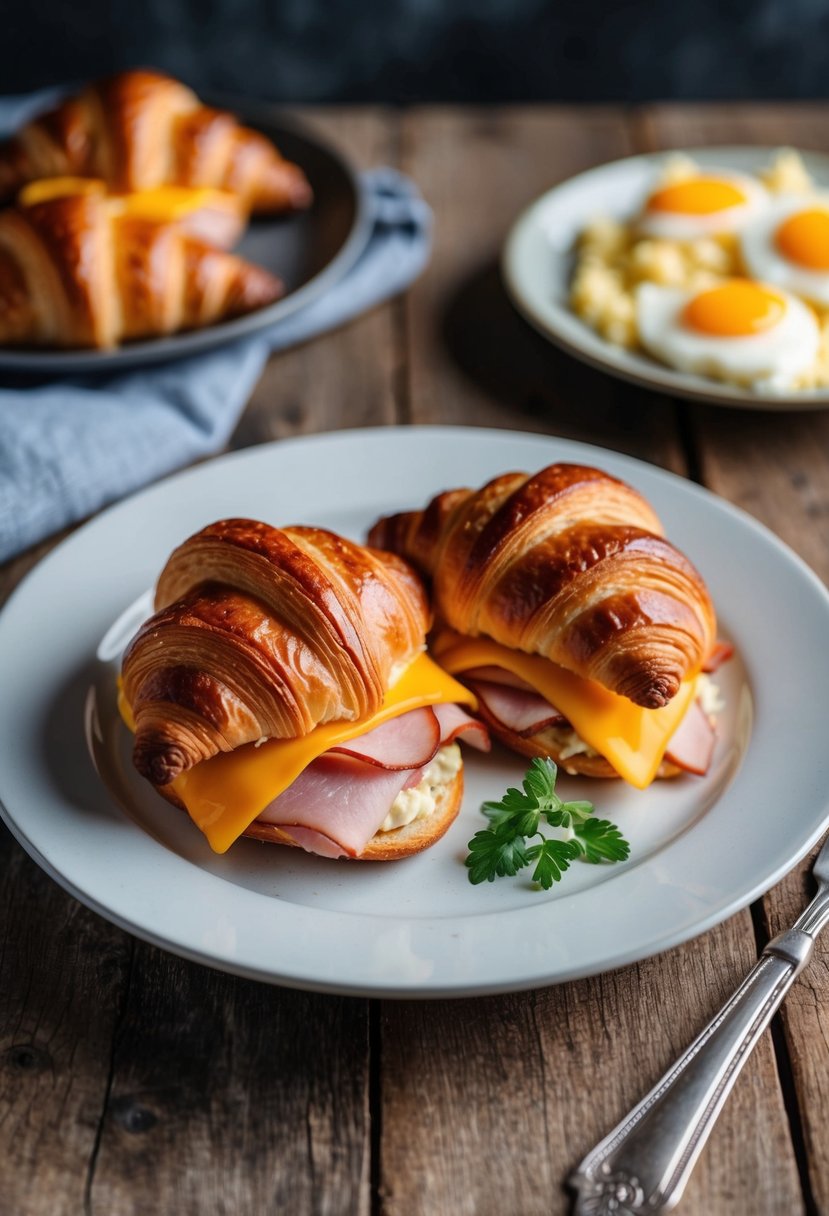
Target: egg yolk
(804,238)
(697,196)
(735,309)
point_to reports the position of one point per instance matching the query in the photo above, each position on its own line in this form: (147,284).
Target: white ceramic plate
(701,849)
(538,264)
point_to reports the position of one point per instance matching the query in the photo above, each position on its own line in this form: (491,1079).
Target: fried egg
(789,246)
(741,331)
(706,204)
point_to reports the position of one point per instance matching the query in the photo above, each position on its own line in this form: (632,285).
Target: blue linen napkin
(73,445)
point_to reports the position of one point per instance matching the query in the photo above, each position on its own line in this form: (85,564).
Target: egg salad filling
(421,800)
(697,231)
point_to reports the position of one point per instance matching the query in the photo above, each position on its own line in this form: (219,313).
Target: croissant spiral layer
(263,632)
(141,129)
(571,564)
(76,271)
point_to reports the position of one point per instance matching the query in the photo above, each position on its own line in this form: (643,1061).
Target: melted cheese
(167,203)
(629,737)
(162,204)
(223,795)
(47,188)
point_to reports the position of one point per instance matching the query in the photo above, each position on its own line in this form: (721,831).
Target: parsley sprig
(502,849)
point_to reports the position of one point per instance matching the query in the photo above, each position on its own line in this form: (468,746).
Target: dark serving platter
(309,251)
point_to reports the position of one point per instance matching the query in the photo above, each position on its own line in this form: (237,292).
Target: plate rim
(152,352)
(725,908)
(656,378)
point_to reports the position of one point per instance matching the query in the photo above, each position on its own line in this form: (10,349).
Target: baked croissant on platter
(282,691)
(582,630)
(82,271)
(142,129)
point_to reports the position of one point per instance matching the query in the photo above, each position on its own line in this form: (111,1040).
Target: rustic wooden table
(134,1082)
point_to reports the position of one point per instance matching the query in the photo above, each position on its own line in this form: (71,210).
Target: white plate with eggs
(540,255)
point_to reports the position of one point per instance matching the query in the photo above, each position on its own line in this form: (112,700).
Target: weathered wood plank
(62,978)
(350,377)
(776,466)
(474,360)
(232,1097)
(488,1104)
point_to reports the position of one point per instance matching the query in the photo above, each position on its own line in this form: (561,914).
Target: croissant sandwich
(141,129)
(80,270)
(582,631)
(282,691)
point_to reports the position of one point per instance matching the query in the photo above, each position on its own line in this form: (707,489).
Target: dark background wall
(431,50)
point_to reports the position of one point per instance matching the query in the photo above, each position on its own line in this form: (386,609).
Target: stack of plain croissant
(78,268)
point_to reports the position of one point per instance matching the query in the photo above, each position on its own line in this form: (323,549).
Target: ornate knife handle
(645,1162)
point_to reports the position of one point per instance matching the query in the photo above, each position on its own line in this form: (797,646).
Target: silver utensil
(644,1164)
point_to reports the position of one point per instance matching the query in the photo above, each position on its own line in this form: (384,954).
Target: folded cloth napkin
(72,445)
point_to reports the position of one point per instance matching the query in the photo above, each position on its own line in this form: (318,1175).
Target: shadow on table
(509,361)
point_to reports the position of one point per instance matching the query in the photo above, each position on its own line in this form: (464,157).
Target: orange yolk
(737,308)
(697,196)
(804,238)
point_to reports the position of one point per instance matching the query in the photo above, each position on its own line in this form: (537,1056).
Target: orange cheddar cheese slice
(632,739)
(223,795)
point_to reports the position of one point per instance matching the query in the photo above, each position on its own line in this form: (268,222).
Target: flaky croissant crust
(263,632)
(141,129)
(569,563)
(75,271)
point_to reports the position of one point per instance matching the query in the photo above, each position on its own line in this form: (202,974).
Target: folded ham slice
(522,711)
(692,743)
(409,741)
(337,803)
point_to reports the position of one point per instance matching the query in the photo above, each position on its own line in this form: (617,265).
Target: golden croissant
(570,564)
(141,129)
(265,633)
(83,271)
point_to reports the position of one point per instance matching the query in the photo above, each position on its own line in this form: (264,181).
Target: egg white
(765,261)
(768,361)
(684,226)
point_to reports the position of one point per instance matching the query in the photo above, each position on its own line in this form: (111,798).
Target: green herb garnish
(502,849)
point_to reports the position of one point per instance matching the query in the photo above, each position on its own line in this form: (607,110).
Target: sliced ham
(524,712)
(337,803)
(497,675)
(692,743)
(455,722)
(721,653)
(343,799)
(409,741)
(314,842)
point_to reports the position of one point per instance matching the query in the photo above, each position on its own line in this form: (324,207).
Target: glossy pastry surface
(265,633)
(141,129)
(83,270)
(570,564)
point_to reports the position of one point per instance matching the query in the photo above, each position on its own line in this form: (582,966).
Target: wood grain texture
(777,468)
(472,359)
(489,1104)
(349,377)
(62,977)
(230,1097)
